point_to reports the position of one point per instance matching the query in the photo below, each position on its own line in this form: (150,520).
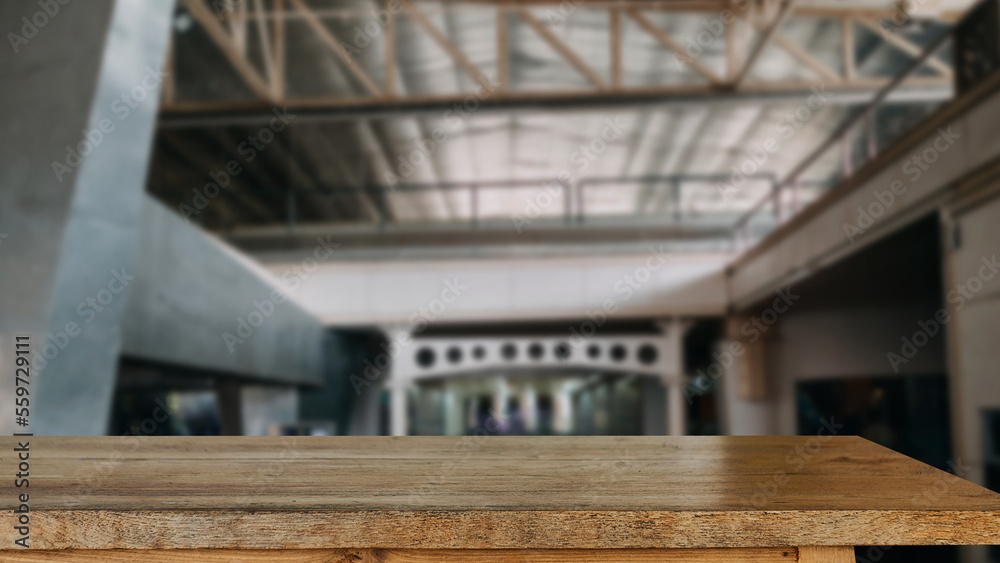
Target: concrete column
(673,375)
(400,379)
(739,416)
(73,168)
(676,408)
(399,419)
(529,408)
(562,407)
(654,405)
(500,397)
(454,416)
(263,406)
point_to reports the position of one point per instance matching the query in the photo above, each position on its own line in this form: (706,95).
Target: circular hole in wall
(648,354)
(618,353)
(535,351)
(562,351)
(509,351)
(426,357)
(454,354)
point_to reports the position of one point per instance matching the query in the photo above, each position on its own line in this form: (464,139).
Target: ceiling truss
(749,31)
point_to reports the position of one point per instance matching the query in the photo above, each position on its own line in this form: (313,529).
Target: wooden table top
(488,492)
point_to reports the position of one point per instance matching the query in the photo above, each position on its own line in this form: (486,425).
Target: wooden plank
(499,529)
(571,57)
(490,493)
(767,555)
(838,554)
(657,473)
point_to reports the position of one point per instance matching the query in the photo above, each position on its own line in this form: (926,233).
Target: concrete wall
(828,344)
(191,289)
(33,202)
(968,140)
(973,335)
(72,170)
(974,329)
(349,293)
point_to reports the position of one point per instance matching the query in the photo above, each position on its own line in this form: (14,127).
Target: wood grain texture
(826,554)
(772,555)
(489,493)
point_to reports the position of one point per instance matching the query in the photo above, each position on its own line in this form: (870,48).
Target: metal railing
(743,235)
(573,193)
(783,200)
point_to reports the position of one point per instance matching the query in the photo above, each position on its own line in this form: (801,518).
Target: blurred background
(455,217)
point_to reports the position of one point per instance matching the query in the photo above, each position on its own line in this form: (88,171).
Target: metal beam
(390,54)
(359,109)
(265,45)
(547,234)
(461,60)
(324,34)
(783,12)
(503,48)
(373,100)
(227,44)
(673,46)
(906,46)
(850,52)
(616,48)
(564,50)
(698,6)
(279,49)
(801,54)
